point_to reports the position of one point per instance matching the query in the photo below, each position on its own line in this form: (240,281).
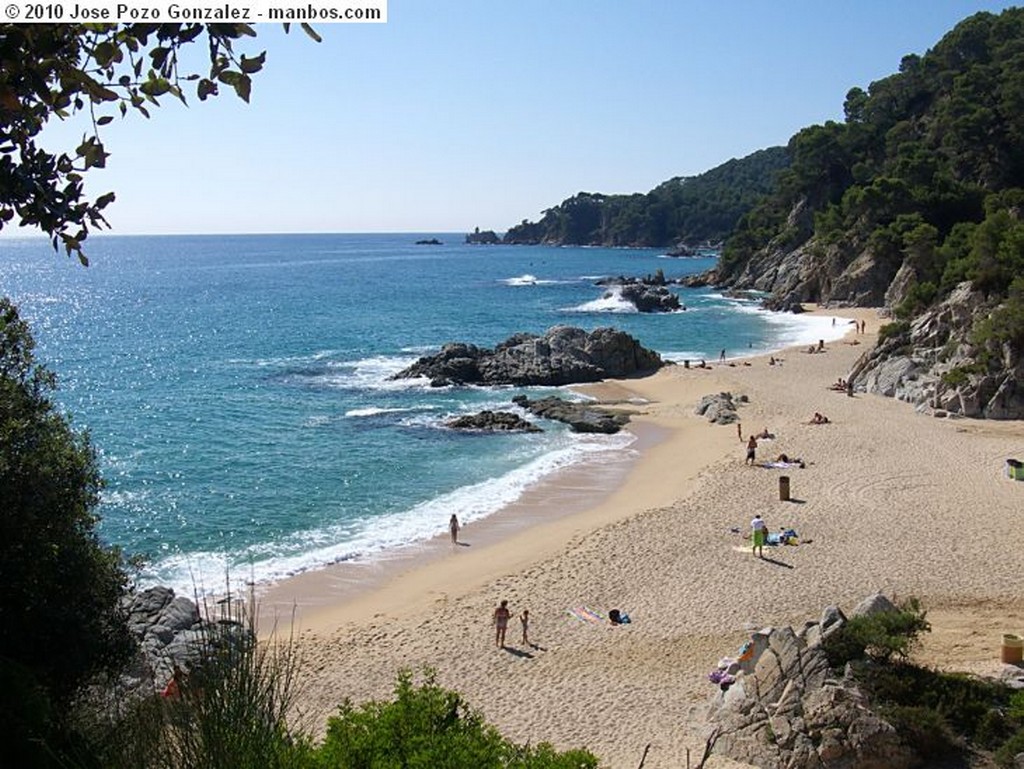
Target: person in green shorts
(758,534)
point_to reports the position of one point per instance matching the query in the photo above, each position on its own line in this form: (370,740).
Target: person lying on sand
(818,419)
(839,385)
(790,460)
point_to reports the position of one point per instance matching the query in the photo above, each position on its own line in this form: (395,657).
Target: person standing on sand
(524,620)
(453,528)
(721,357)
(739,430)
(758,533)
(751,449)
(501,618)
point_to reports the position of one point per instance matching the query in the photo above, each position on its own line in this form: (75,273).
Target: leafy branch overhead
(60,70)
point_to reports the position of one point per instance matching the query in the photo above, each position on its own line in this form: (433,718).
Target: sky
(470,113)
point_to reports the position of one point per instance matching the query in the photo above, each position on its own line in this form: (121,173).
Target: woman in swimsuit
(501,617)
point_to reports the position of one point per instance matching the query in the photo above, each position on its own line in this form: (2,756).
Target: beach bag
(615,616)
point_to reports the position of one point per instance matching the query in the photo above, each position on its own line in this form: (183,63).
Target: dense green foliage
(429,726)
(880,636)
(49,70)
(60,621)
(927,170)
(687,210)
(938,714)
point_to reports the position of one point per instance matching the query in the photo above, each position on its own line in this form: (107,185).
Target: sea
(238,390)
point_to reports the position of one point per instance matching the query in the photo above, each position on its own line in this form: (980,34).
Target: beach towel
(586,614)
(778,465)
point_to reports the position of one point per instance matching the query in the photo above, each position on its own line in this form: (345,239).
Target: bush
(878,636)
(923,729)
(893,330)
(428,726)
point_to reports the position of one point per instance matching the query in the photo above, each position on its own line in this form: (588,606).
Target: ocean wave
(612,301)
(367,538)
(530,280)
(373,411)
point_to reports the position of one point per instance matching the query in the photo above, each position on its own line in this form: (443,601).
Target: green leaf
(243,87)
(206,88)
(104,120)
(104,53)
(249,66)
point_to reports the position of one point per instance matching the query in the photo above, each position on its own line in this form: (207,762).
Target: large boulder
(787,709)
(563,355)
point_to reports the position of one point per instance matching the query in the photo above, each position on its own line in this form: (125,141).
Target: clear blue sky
(463,113)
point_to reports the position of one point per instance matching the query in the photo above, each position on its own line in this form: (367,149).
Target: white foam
(370,538)
(372,411)
(612,301)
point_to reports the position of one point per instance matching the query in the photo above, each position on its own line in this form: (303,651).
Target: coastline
(882,486)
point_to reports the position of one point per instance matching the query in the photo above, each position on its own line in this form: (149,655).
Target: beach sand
(891,500)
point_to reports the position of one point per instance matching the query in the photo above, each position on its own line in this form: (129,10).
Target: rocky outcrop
(719,408)
(580,416)
(170,631)
(931,363)
(563,355)
(649,298)
(647,294)
(494,421)
(480,237)
(786,709)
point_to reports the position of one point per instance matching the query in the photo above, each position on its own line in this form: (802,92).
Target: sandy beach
(890,499)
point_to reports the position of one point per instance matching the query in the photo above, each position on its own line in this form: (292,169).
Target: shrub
(1005,755)
(878,636)
(428,726)
(923,729)
(893,330)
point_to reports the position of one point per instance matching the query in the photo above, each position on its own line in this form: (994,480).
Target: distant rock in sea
(483,238)
(430,242)
(563,355)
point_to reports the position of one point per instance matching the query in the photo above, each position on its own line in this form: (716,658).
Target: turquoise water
(236,386)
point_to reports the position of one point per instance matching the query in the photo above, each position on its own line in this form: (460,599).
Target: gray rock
(581,416)
(563,355)
(494,421)
(719,408)
(874,604)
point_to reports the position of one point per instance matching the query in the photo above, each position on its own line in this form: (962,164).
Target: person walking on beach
(453,528)
(751,449)
(524,620)
(758,533)
(501,618)
(739,430)
(721,357)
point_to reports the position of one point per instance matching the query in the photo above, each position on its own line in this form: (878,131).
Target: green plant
(1006,753)
(428,726)
(893,330)
(923,729)
(879,636)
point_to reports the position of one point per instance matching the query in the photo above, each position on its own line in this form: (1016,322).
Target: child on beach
(751,449)
(501,618)
(524,620)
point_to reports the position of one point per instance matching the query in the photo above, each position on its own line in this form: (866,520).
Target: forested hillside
(682,211)
(914,202)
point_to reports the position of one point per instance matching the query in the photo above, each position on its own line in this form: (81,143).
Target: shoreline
(881,485)
(554,496)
